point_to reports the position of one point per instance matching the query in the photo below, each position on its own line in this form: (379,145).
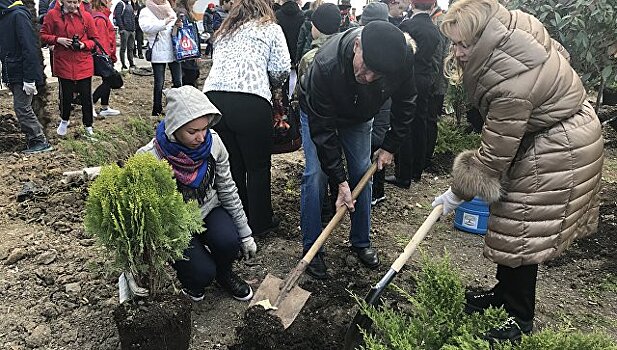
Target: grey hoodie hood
(185,104)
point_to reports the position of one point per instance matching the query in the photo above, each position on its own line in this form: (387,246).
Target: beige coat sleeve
(478,173)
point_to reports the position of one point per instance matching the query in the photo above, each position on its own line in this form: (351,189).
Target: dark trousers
(139,44)
(435,108)
(246,130)
(516,287)
(410,159)
(190,76)
(28,122)
(159,81)
(84,89)
(209,49)
(102,92)
(127,46)
(204,265)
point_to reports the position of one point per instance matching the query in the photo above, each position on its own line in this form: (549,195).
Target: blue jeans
(356,142)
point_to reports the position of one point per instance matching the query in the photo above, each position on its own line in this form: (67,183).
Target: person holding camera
(71,30)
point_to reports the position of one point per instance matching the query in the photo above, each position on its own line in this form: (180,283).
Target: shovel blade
(291,304)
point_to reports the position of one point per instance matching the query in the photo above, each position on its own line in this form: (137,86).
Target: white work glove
(249,247)
(449,201)
(30,89)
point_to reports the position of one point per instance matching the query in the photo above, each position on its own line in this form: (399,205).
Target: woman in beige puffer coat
(540,162)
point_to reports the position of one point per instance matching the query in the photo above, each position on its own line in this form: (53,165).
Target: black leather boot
(478,301)
(511,330)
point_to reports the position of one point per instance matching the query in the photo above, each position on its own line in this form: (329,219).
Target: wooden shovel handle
(298,270)
(340,213)
(417,238)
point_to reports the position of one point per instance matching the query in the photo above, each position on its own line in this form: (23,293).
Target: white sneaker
(93,112)
(109,112)
(63,127)
(89,131)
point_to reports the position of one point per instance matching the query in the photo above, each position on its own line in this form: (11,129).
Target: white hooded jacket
(163,49)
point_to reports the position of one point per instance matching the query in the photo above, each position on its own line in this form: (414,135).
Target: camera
(75,44)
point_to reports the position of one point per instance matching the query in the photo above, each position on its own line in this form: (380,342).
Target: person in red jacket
(107,33)
(71,30)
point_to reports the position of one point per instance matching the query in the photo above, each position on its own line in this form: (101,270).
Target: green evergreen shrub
(139,216)
(452,138)
(437,320)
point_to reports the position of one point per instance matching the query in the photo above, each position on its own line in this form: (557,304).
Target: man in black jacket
(352,75)
(411,158)
(21,69)
(290,17)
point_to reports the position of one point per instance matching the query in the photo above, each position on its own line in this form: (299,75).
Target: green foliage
(453,139)
(456,101)
(437,315)
(139,216)
(587,28)
(437,321)
(118,143)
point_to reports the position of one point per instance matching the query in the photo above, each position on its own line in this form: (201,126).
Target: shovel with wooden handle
(284,298)
(353,337)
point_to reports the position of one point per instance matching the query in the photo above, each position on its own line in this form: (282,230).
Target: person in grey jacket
(200,163)
(124,19)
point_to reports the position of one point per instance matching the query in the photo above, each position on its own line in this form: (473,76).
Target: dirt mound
(11,137)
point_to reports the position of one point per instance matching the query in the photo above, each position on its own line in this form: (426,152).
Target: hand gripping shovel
(282,297)
(353,337)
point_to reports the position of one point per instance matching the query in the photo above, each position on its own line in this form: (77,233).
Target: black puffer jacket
(290,17)
(19,53)
(332,98)
(426,34)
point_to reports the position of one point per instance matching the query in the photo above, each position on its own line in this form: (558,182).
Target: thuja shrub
(139,216)
(436,320)
(453,138)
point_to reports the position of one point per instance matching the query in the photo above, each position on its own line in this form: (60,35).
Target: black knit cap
(383,47)
(327,18)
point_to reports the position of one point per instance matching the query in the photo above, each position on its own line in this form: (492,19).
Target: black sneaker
(478,301)
(38,148)
(317,268)
(511,330)
(273,225)
(236,286)
(378,199)
(196,297)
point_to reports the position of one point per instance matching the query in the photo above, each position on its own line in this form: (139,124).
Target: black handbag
(103,65)
(115,80)
(149,49)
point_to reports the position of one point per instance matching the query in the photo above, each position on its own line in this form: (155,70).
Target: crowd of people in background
(370,87)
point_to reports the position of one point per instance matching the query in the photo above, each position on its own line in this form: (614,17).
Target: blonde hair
(315,4)
(466,19)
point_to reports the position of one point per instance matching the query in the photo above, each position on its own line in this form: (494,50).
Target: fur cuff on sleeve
(471,180)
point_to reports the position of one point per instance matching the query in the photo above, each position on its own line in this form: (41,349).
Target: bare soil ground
(58,291)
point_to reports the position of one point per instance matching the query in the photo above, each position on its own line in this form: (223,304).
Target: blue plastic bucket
(472,216)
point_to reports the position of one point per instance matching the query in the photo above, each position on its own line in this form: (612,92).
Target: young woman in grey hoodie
(200,164)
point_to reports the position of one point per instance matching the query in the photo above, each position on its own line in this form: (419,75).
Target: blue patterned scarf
(190,165)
